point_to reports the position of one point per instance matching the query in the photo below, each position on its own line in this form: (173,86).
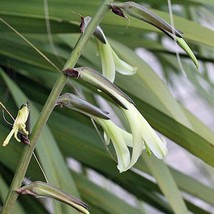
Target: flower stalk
(48,108)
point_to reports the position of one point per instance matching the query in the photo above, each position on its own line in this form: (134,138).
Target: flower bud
(41,189)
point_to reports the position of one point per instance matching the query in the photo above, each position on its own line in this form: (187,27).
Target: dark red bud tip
(24,192)
(70,72)
(82,25)
(117,11)
(20,191)
(24,139)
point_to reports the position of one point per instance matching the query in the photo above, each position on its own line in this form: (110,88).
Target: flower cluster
(142,135)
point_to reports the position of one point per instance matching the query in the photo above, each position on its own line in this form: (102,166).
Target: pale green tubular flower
(142,134)
(109,59)
(111,62)
(142,137)
(120,139)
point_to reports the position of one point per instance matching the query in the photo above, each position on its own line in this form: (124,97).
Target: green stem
(48,108)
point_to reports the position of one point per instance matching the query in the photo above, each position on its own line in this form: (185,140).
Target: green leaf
(103,199)
(167,183)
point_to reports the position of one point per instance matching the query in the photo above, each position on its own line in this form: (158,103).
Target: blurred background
(70,150)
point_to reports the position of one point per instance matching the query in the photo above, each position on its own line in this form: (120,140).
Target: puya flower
(109,59)
(142,135)
(120,138)
(19,125)
(142,13)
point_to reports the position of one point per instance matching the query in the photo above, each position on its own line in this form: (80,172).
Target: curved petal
(107,60)
(140,127)
(142,133)
(135,125)
(123,67)
(114,133)
(157,146)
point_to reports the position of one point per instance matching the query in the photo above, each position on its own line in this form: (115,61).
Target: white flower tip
(122,66)
(162,154)
(123,162)
(125,68)
(131,71)
(162,149)
(7,140)
(121,170)
(5,143)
